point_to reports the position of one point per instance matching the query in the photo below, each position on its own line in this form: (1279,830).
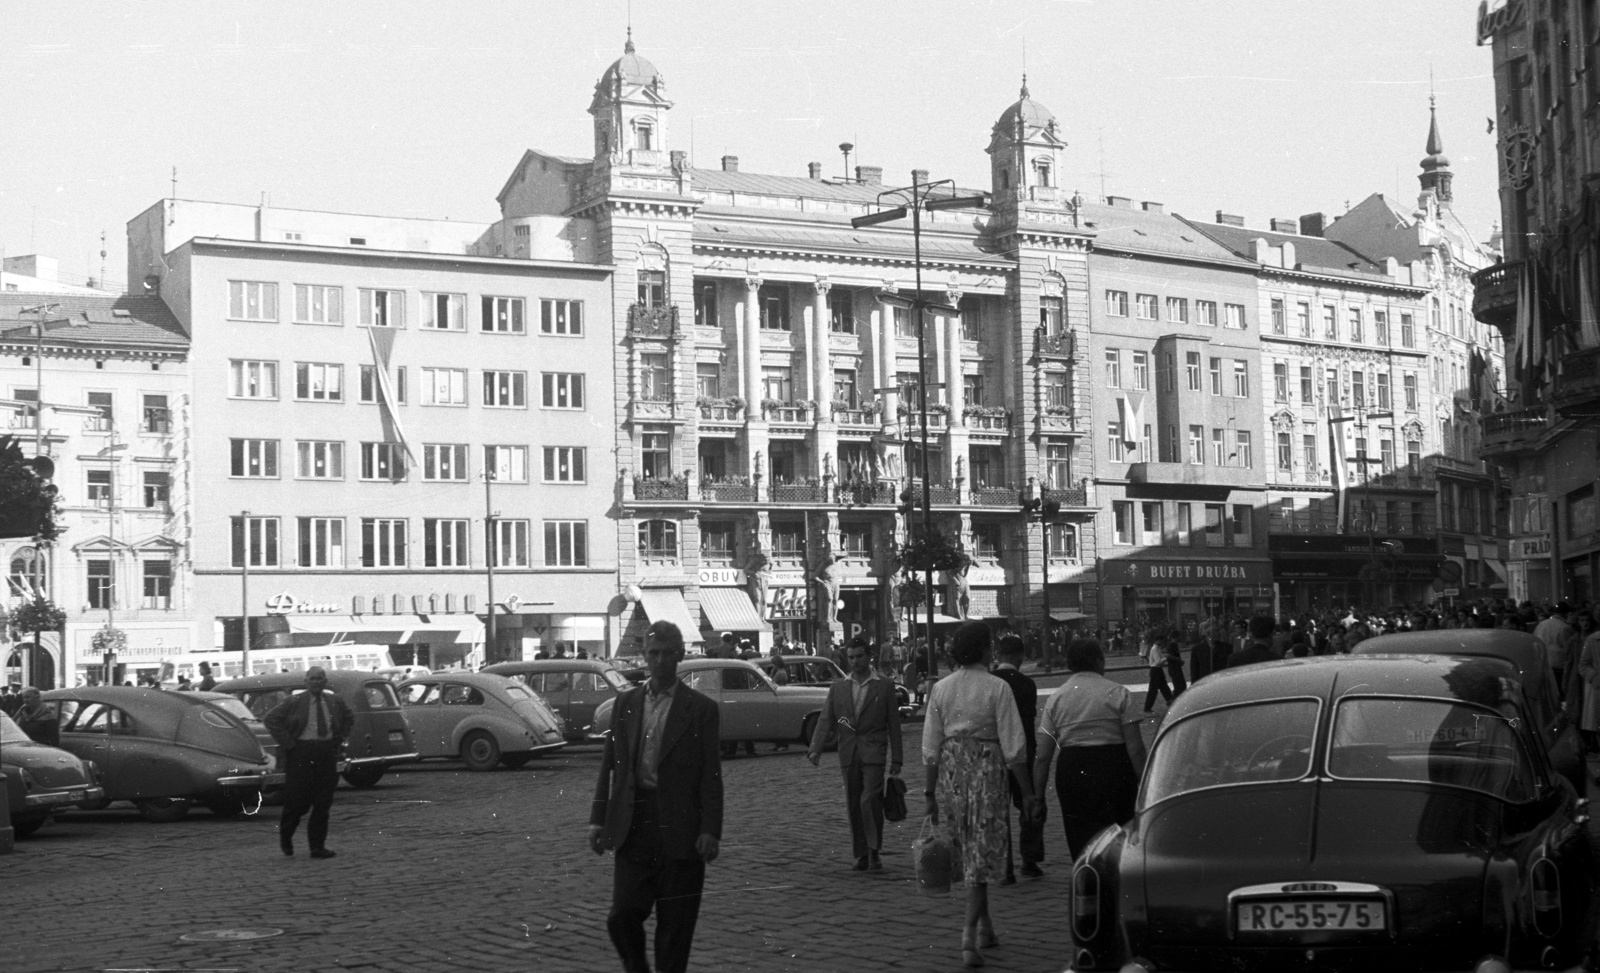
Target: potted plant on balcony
(772,405)
(844,405)
(985,411)
(1058,410)
(109,639)
(932,551)
(939,409)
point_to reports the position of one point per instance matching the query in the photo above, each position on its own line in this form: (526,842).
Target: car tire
(24,828)
(364,777)
(164,810)
(511,761)
(480,751)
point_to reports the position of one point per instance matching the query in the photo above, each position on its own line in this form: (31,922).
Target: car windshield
(1430,741)
(1251,744)
(10,732)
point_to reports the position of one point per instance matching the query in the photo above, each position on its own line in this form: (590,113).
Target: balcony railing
(652,322)
(1068,496)
(864,492)
(1506,432)
(721,413)
(1494,293)
(793,414)
(987,423)
(651,488)
(18,420)
(798,493)
(943,496)
(996,496)
(856,417)
(728,491)
(1579,381)
(1053,345)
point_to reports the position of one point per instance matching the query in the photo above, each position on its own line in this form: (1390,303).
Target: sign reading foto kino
(1139,572)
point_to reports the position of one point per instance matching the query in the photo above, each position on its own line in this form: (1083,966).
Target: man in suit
(310,728)
(862,711)
(658,805)
(1009,654)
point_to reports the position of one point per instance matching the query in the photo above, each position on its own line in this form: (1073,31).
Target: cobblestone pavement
(442,869)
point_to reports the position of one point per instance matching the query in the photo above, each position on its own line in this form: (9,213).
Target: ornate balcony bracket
(652,322)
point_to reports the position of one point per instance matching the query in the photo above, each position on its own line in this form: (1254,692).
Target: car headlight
(26,778)
(1492,964)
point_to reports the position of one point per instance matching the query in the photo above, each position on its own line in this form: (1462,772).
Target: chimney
(1154,208)
(152,285)
(730,163)
(1119,202)
(814,170)
(869,175)
(919,176)
(1312,224)
(1229,219)
(1284,226)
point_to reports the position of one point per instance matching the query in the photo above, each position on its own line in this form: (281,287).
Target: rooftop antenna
(1100,139)
(103,259)
(172,211)
(845,147)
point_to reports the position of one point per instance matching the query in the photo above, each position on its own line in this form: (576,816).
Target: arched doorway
(42,664)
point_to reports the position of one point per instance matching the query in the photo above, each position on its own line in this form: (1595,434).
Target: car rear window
(380,695)
(234,706)
(1256,743)
(1430,741)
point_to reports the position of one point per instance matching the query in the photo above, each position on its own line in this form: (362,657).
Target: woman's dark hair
(1085,655)
(969,644)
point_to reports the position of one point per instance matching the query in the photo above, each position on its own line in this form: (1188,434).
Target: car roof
(689,665)
(1332,676)
(159,710)
(339,680)
(482,680)
(1521,649)
(549,665)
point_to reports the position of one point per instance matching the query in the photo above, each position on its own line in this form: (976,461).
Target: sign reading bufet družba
(1136,571)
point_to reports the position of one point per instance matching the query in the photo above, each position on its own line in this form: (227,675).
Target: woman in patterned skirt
(971,736)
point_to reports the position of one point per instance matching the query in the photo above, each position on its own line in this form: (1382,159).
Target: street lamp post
(915,198)
(1362,415)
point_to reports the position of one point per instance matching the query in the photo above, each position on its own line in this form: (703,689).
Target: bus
(229,665)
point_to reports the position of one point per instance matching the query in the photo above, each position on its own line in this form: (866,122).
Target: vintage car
(814,670)
(1343,813)
(41,779)
(163,751)
(573,688)
(380,738)
(487,720)
(752,706)
(1558,731)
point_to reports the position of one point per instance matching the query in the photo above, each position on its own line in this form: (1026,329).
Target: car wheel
(24,828)
(164,810)
(364,776)
(511,761)
(480,751)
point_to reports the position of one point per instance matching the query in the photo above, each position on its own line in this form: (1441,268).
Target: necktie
(322,718)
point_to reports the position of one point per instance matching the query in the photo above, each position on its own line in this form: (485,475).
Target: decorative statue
(828,576)
(759,570)
(960,591)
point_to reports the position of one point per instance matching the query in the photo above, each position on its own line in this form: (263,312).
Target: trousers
(863,796)
(644,880)
(311,776)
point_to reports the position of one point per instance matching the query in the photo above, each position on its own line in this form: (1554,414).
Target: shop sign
(786,602)
(722,578)
(988,575)
(1068,572)
(1527,548)
(1156,572)
(1492,22)
(287,604)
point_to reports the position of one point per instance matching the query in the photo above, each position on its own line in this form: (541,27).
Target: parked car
(814,670)
(1558,731)
(486,719)
(42,779)
(573,688)
(1343,812)
(399,674)
(753,707)
(379,739)
(163,751)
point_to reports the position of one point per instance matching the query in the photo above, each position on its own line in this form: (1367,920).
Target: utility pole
(244,588)
(489,551)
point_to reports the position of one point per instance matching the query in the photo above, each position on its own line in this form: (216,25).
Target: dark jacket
(288,719)
(1253,653)
(688,776)
(1026,692)
(873,734)
(39,724)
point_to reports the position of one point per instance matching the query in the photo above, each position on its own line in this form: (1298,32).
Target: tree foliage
(29,503)
(38,615)
(932,551)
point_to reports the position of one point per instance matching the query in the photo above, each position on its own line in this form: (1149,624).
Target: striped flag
(1337,463)
(382,340)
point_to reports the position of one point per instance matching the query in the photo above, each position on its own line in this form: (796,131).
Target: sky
(1262,108)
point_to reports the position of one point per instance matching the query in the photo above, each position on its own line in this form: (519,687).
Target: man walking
(862,711)
(37,720)
(1009,653)
(310,728)
(658,805)
(1558,638)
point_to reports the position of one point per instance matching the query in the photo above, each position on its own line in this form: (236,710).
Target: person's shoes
(287,845)
(861,863)
(986,937)
(969,949)
(1030,870)
(874,863)
(322,853)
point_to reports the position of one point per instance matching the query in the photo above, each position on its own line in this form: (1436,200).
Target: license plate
(1305,915)
(397,736)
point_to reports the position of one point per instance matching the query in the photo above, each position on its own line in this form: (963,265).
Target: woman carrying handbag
(971,736)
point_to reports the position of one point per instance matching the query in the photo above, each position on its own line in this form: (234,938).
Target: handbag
(894,799)
(931,855)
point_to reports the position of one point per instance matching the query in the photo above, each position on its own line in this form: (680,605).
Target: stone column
(888,372)
(821,373)
(752,347)
(954,394)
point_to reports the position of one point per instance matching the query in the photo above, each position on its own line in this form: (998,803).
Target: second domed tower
(630,110)
(1025,153)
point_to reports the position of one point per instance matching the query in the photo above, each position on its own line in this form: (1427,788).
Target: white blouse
(972,702)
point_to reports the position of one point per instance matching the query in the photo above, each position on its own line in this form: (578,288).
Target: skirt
(974,805)
(1097,788)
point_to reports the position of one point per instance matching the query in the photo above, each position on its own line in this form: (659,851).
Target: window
(1409,381)
(252,300)
(1167,372)
(444,312)
(1380,327)
(319,460)
(1185,527)
(1307,389)
(383,308)
(1216,376)
(655,455)
(705,304)
(1333,386)
(1233,316)
(1141,371)
(507,390)
(444,386)
(506,464)
(511,544)
(1382,390)
(104,403)
(716,539)
(1242,442)
(708,380)
(383,542)
(1215,513)
(444,543)
(1408,332)
(99,583)
(1280,322)
(566,543)
(1197,445)
(1241,379)
(318,382)
(564,464)
(1122,521)
(1145,305)
(253,457)
(1358,389)
(560,390)
(844,387)
(444,461)
(1330,322)
(371,389)
(1357,332)
(1115,446)
(1113,368)
(1303,318)
(1063,541)
(1058,466)
(1239,525)
(651,289)
(788,539)
(1386,454)
(502,315)
(658,538)
(318,304)
(156,418)
(774,301)
(655,378)
(1206,313)
(1285,452)
(777,382)
(970,319)
(1052,315)
(556,317)
(1414,457)
(157,488)
(1309,447)
(257,538)
(1391,516)
(1219,449)
(321,542)
(1150,524)
(1191,362)
(1178,310)
(905,326)
(158,584)
(383,461)
(985,541)
(1117,303)
(252,379)
(99,488)
(1280,381)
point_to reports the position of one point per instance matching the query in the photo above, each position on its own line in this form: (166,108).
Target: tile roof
(92,320)
(1314,254)
(728,226)
(1118,227)
(718,180)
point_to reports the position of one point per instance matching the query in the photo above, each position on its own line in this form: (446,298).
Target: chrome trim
(395,758)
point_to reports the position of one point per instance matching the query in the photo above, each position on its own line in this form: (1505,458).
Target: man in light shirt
(310,728)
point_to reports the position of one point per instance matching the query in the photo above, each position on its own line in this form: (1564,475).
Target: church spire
(1436,173)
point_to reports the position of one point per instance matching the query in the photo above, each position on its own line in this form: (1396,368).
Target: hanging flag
(1132,419)
(1337,465)
(382,340)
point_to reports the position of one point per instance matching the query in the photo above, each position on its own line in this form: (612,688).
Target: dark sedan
(1343,813)
(573,688)
(41,779)
(814,670)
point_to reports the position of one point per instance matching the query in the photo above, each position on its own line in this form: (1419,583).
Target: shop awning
(1499,568)
(448,629)
(1068,615)
(730,610)
(666,605)
(386,629)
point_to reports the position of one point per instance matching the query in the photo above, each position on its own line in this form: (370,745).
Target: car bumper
(387,760)
(67,798)
(253,782)
(546,748)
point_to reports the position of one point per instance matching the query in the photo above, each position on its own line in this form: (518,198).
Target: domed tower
(1025,153)
(1436,173)
(630,110)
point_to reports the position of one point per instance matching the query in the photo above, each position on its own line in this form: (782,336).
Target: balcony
(981,419)
(18,420)
(721,410)
(786,413)
(1579,381)
(1494,294)
(943,496)
(731,490)
(157,421)
(1434,465)
(652,322)
(996,496)
(864,492)
(911,422)
(1068,496)
(856,418)
(653,410)
(1058,346)
(1194,477)
(798,493)
(652,488)
(1507,433)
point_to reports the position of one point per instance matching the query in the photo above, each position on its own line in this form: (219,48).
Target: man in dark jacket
(1009,654)
(310,728)
(861,712)
(37,720)
(1260,647)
